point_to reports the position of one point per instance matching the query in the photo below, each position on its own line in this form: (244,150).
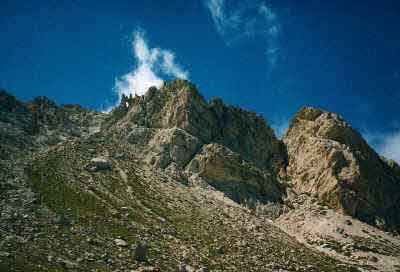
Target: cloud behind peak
(152,66)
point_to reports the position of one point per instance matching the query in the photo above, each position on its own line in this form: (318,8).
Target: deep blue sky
(343,56)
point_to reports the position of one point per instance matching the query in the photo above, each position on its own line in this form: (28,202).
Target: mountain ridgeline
(195,185)
(320,154)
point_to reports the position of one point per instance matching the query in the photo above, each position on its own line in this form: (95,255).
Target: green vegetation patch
(58,194)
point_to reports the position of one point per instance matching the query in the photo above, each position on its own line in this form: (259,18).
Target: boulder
(141,251)
(99,164)
(120,243)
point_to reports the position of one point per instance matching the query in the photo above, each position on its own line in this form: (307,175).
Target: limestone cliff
(174,126)
(179,104)
(331,160)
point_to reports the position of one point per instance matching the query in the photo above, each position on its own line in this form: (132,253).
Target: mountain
(331,160)
(171,182)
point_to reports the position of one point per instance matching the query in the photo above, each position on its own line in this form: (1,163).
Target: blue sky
(268,56)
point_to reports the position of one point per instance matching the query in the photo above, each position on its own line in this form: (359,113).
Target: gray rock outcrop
(230,173)
(331,160)
(178,104)
(176,129)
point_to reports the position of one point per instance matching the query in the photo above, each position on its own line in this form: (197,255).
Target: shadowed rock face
(40,123)
(228,172)
(249,135)
(15,125)
(328,158)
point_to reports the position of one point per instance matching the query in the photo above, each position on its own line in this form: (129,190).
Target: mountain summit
(331,160)
(168,181)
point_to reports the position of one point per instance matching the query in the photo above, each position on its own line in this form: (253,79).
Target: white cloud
(218,15)
(152,64)
(236,20)
(280,127)
(386,144)
(266,12)
(170,67)
(390,147)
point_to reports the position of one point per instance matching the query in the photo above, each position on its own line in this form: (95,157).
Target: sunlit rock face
(179,104)
(174,126)
(331,160)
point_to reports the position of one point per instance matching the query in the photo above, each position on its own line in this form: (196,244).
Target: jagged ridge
(178,170)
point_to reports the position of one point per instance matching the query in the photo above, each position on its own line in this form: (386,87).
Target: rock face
(175,129)
(178,104)
(329,159)
(15,125)
(230,173)
(99,164)
(40,123)
(172,145)
(249,135)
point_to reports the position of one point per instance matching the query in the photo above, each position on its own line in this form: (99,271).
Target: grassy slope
(78,215)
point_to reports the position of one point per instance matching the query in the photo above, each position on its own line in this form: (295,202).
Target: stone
(146,268)
(67,263)
(120,156)
(4,254)
(373,259)
(186,268)
(99,164)
(141,252)
(120,242)
(62,219)
(89,256)
(340,230)
(348,222)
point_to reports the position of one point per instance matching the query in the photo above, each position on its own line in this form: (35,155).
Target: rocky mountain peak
(9,104)
(308,113)
(41,103)
(176,129)
(40,123)
(179,104)
(171,179)
(330,159)
(327,125)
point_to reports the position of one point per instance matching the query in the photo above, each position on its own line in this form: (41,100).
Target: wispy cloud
(235,20)
(152,65)
(386,144)
(280,126)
